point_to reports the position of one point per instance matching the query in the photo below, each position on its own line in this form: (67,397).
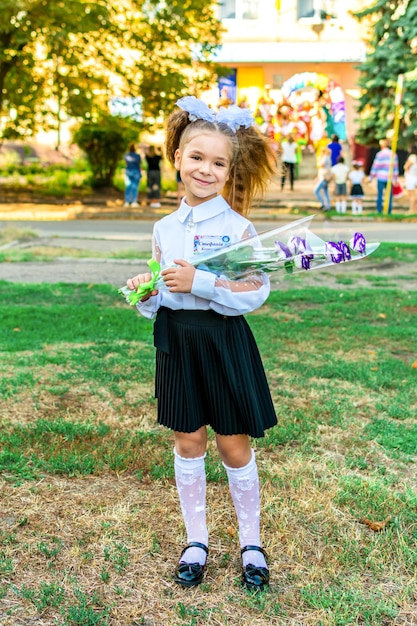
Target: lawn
(90,528)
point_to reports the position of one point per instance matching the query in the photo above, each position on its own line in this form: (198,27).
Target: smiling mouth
(203,182)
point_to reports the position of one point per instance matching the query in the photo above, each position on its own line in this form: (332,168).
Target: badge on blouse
(205,243)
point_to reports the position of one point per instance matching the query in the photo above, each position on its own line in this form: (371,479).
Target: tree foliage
(392,50)
(68,58)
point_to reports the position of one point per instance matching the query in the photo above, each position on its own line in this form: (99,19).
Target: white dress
(411,177)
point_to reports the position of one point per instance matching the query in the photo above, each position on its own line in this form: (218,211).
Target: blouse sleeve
(232,297)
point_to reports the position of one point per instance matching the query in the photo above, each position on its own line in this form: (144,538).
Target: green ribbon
(145,288)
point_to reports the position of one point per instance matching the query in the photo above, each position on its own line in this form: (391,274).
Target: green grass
(88,504)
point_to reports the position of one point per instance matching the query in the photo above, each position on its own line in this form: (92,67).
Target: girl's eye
(220,164)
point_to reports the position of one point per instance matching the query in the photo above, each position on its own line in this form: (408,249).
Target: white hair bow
(232,116)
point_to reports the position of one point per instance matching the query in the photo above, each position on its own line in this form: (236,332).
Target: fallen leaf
(414,365)
(382,316)
(16,330)
(375,526)
(231,531)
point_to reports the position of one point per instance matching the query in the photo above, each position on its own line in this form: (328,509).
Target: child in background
(410,175)
(208,367)
(356,177)
(340,173)
(289,159)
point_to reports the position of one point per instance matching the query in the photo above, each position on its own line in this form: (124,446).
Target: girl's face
(204,164)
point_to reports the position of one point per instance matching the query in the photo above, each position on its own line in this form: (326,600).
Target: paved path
(111,272)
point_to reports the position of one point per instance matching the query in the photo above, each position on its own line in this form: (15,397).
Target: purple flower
(333,250)
(345,250)
(283,251)
(305,261)
(302,252)
(358,243)
(298,245)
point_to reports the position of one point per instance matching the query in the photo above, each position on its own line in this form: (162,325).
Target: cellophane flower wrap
(287,250)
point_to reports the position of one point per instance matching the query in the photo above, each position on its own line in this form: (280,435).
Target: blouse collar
(203,211)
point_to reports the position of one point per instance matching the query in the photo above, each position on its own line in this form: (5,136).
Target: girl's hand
(134,282)
(179,279)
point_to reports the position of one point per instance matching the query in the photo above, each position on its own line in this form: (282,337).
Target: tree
(45,50)
(392,50)
(69,58)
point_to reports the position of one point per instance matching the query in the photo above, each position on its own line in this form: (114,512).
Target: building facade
(293,53)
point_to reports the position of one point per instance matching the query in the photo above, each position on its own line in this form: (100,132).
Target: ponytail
(254,167)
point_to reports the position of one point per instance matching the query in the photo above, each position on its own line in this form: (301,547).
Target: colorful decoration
(327,87)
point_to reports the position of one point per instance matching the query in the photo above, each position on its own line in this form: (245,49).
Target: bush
(9,160)
(104,142)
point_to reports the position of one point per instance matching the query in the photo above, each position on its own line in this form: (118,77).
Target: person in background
(356,177)
(335,148)
(324,176)
(380,170)
(153,161)
(289,159)
(133,175)
(410,176)
(340,173)
(208,368)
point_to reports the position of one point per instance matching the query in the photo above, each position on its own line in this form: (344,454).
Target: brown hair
(253,160)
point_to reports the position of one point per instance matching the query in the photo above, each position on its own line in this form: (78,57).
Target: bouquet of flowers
(290,249)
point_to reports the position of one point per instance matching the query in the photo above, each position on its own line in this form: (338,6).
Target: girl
(356,177)
(410,174)
(289,159)
(208,368)
(340,173)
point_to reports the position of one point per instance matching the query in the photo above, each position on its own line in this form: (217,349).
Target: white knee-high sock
(244,489)
(190,477)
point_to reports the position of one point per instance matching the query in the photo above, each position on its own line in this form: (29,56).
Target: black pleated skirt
(209,372)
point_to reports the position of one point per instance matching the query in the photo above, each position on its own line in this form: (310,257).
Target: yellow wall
(251,84)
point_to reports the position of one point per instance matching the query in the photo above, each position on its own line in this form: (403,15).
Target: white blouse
(192,230)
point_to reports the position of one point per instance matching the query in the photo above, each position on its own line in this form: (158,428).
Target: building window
(316,9)
(239,9)
(228,10)
(250,10)
(305,8)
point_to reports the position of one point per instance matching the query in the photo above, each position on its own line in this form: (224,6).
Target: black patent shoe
(255,578)
(190,574)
